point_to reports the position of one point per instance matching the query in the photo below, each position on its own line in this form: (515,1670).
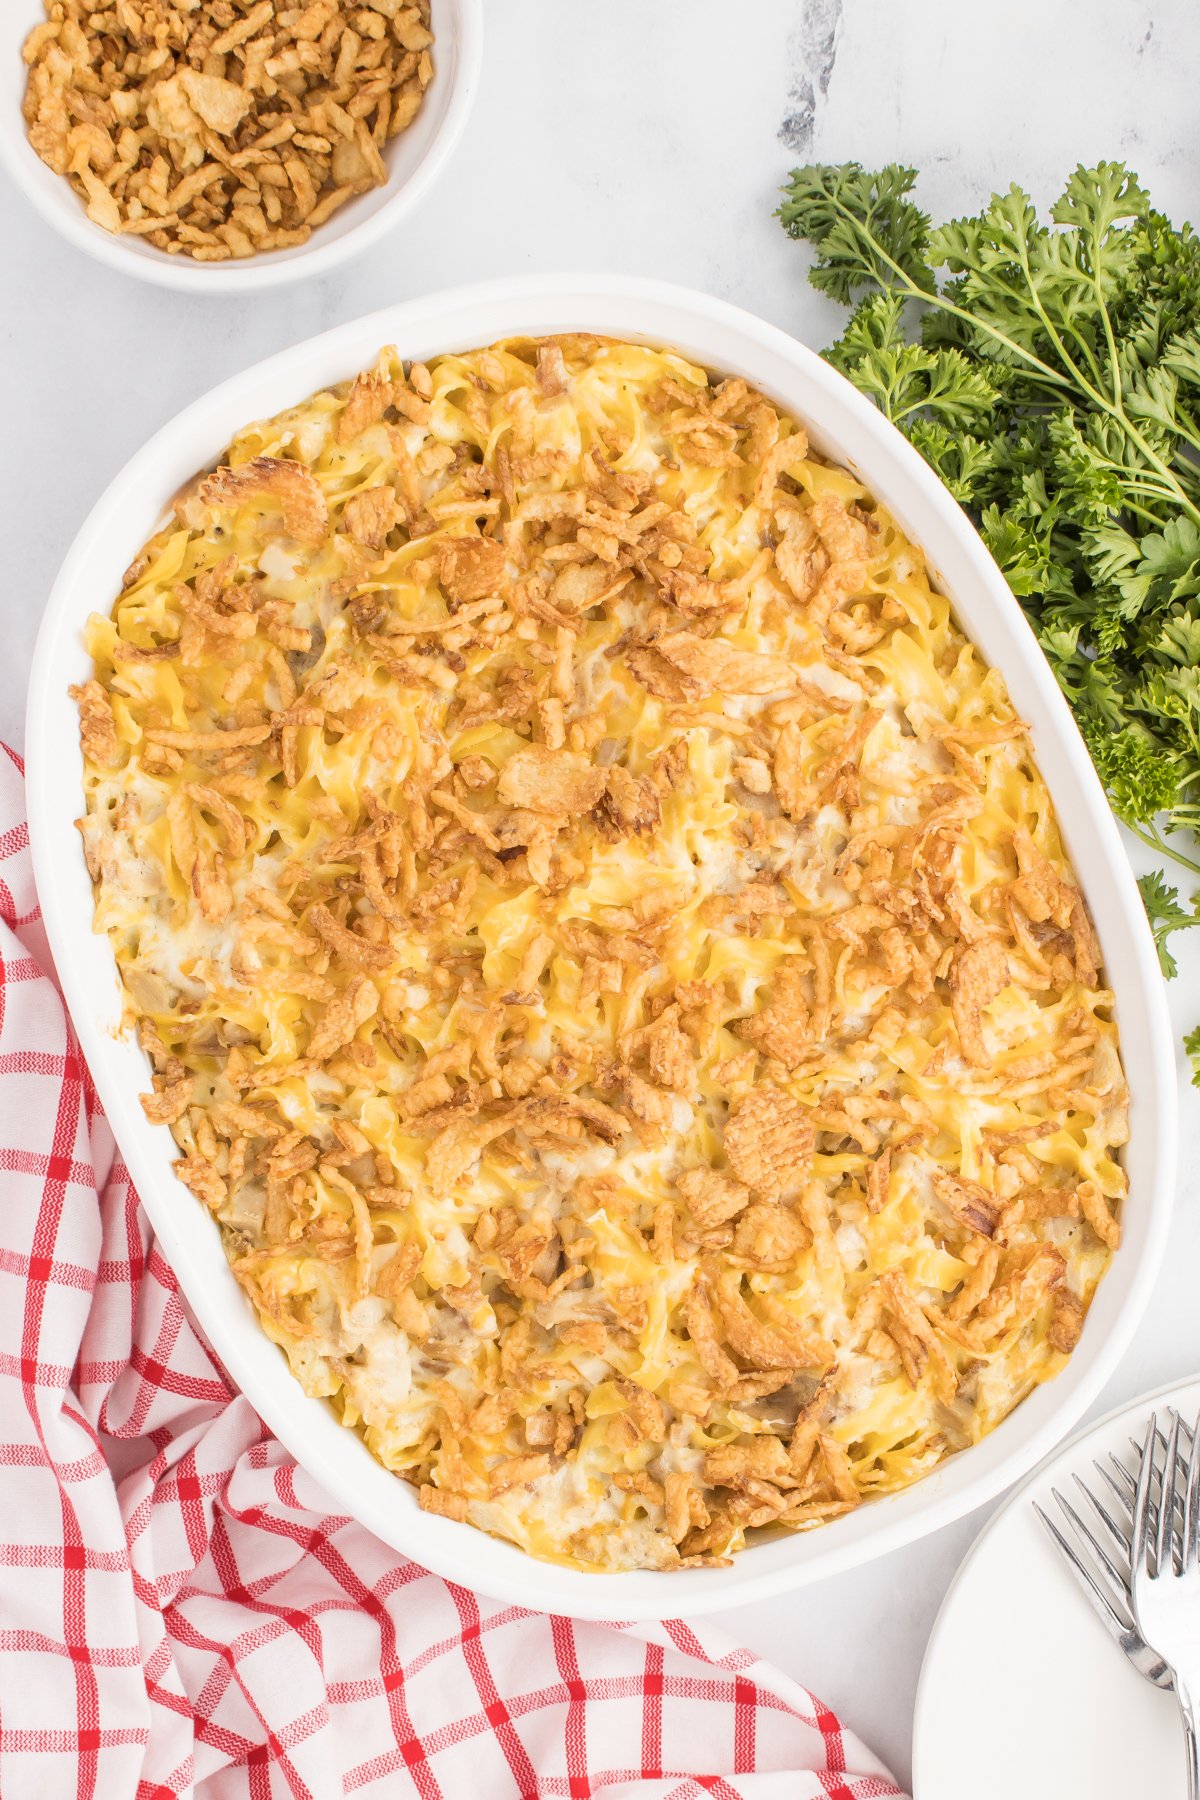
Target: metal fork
(1165,1563)
(1101,1565)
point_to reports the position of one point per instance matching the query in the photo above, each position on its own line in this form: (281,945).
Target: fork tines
(1102,1568)
(1165,1532)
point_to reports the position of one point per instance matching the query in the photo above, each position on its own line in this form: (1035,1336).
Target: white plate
(841,424)
(1023,1692)
(414,159)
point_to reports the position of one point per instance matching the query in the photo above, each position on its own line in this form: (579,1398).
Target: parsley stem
(1059,380)
(1114,362)
(1171,490)
(1153,838)
(1185,427)
(1114,408)
(1177,489)
(1174,489)
(908,286)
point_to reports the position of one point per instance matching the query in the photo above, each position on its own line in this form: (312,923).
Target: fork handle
(1190,1713)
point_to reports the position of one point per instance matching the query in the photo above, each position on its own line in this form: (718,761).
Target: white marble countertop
(650,136)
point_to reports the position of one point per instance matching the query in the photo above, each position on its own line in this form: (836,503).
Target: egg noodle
(606,953)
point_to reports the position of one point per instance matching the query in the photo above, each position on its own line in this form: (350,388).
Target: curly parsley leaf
(1140,779)
(906,380)
(868,232)
(1191,1045)
(1167,914)
(965,463)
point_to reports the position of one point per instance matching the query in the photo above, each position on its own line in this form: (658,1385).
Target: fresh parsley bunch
(1050,373)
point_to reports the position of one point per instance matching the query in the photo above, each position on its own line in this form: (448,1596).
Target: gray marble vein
(812,52)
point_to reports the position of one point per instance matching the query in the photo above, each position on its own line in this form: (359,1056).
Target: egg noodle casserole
(606,953)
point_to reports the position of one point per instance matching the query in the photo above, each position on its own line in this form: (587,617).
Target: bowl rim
(256,273)
(724,337)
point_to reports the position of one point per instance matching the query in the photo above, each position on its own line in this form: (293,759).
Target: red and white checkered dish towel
(180,1611)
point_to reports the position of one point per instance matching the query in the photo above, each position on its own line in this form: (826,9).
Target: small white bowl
(842,425)
(414,159)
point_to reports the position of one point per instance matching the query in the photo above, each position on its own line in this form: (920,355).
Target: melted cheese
(546,1279)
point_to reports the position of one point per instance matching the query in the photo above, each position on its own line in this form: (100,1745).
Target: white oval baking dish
(843,425)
